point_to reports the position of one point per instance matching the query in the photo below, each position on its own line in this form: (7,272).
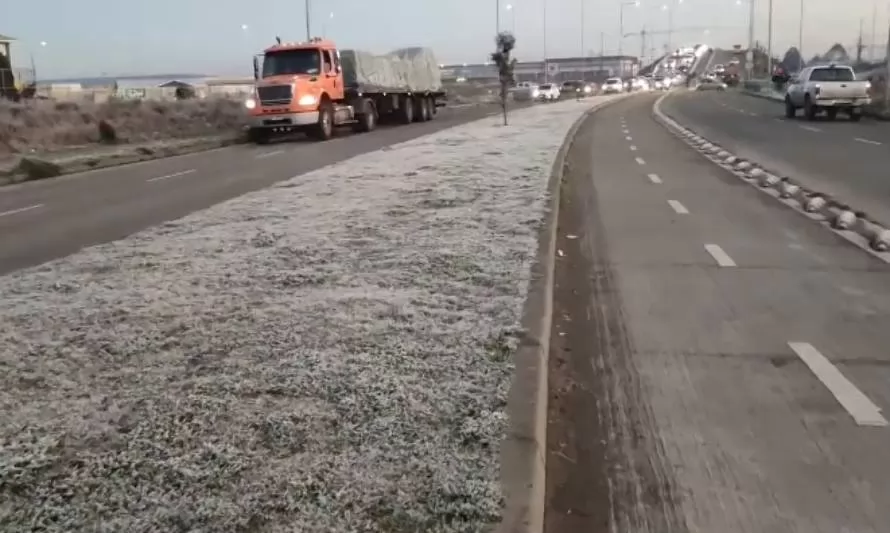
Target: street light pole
(769,42)
(749,57)
(582,28)
(546,70)
(621,34)
(308,10)
(497,16)
(800,39)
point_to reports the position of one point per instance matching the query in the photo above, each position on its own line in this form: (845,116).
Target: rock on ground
(330,354)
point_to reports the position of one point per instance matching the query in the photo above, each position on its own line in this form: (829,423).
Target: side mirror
(256,68)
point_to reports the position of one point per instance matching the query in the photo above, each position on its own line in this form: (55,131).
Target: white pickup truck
(829,88)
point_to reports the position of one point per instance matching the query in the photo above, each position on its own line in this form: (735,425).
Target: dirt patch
(604,465)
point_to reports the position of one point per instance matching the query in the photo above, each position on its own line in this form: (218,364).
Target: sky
(127,37)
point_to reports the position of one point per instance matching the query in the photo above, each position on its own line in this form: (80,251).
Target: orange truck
(314,87)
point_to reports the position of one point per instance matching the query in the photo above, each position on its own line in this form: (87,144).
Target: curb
(852,225)
(132,154)
(524,448)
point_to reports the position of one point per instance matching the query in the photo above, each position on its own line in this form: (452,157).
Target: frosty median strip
(331,354)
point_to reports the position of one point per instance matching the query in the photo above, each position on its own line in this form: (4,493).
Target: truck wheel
(431,105)
(790,110)
(809,110)
(423,109)
(366,120)
(324,129)
(855,115)
(259,135)
(407,111)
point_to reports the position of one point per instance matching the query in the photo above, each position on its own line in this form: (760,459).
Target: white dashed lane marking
(20,210)
(678,207)
(640,160)
(810,128)
(269,154)
(633,148)
(719,255)
(174,175)
(863,410)
(654,178)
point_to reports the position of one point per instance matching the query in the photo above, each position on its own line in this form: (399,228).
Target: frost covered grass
(328,355)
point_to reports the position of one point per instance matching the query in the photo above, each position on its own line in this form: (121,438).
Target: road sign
(552,68)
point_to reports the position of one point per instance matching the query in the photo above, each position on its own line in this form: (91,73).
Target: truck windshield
(832,74)
(303,61)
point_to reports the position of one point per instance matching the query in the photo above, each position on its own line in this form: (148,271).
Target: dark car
(575,88)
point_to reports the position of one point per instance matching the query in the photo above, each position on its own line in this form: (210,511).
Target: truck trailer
(313,86)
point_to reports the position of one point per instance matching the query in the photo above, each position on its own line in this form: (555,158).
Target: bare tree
(505,43)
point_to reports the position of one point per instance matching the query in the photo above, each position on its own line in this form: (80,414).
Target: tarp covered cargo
(407,69)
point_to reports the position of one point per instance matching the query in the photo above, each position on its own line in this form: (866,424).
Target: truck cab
(296,85)
(309,86)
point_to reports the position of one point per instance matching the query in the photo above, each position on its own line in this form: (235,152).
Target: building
(5,46)
(594,68)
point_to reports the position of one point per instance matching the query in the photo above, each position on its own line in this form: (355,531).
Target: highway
(734,351)
(44,220)
(850,161)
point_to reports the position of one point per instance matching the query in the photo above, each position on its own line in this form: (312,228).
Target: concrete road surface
(44,220)
(848,160)
(719,361)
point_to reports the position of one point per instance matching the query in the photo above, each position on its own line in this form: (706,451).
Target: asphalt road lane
(40,221)
(742,372)
(848,160)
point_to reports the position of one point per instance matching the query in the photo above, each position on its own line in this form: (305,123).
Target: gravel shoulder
(331,354)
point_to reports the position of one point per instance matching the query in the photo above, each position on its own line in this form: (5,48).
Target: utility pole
(308,10)
(749,57)
(643,45)
(603,52)
(546,69)
(800,40)
(497,17)
(769,43)
(859,44)
(874,21)
(582,27)
(887,74)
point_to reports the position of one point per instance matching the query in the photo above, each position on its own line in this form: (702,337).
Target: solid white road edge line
(174,175)
(678,207)
(640,160)
(654,178)
(863,410)
(866,141)
(20,210)
(720,256)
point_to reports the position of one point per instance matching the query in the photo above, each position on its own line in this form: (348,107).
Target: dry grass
(48,126)
(328,355)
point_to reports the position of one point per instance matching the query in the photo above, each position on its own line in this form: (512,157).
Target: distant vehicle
(830,88)
(525,91)
(576,87)
(613,85)
(661,83)
(640,84)
(313,86)
(711,84)
(548,91)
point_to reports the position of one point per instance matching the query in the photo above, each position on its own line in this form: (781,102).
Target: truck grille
(275,94)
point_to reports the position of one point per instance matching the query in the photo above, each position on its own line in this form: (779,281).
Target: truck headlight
(587,89)
(307,99)
(535,93)
(250,103)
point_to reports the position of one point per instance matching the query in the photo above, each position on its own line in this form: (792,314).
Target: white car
(548,91)
(613,85)
(525,91)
